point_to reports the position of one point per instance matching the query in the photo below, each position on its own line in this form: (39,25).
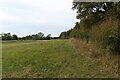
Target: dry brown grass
(105,62)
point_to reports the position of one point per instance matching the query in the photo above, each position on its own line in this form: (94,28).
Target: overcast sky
(25,17)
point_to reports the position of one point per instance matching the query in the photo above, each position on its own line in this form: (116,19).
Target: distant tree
(54,37)
(23,38)
(64,35)
(15,37)
(29,37)
(6,36)
(40,35)
(48,37)
(19,38)
(35,37)
(9,37)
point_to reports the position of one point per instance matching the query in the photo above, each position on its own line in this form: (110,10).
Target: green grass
(47,59)
(39,59)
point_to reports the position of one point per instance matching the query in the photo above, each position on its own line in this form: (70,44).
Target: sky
(26,17)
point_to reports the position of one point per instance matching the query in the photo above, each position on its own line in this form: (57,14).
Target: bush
(107,35)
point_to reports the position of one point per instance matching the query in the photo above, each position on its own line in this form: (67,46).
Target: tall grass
(99,59)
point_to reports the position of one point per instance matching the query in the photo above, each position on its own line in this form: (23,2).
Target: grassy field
(52,59)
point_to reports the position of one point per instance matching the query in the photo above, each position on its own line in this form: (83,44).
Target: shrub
(107,35)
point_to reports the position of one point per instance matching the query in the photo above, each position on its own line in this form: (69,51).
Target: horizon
(26,17)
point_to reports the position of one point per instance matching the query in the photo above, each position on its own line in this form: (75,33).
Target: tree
(48,37)
(35,37)
(6,36)
(40,35)
(23,38)
(15,37)
(29,37)
(86,9)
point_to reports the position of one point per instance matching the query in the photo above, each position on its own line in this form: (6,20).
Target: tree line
(99,22)
(38,36)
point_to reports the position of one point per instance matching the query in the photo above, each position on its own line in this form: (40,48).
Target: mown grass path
(53,58)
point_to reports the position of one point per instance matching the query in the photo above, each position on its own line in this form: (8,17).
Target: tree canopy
(85,9)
